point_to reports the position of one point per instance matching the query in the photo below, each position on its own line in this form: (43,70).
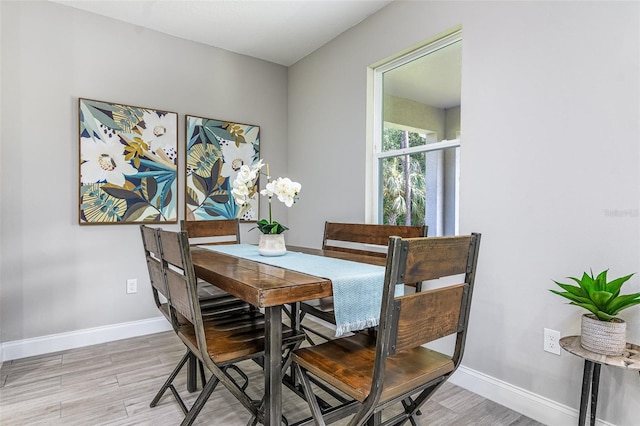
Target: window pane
(423,96)
(393,138)
(420,189)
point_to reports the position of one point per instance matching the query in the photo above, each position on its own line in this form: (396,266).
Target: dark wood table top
(264,285)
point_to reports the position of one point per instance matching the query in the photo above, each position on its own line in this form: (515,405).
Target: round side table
(630,360)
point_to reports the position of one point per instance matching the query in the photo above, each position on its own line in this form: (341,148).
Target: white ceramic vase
(272,245)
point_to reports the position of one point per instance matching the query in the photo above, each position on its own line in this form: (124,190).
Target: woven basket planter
(603,337)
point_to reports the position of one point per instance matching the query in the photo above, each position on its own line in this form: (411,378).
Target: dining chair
(161,297)
(356,238)
(219,341)
(155,266)
(214,232)
(392,367)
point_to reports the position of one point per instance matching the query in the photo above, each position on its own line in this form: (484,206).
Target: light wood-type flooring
(113,383)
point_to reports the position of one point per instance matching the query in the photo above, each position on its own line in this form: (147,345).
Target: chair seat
(347,364)
(234,337)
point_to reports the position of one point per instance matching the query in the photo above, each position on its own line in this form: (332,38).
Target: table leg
(296,325)
(595,382)
(273,365)
(192,373)
(586,384)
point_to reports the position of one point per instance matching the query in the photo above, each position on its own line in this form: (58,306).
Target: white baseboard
(523,401)
(76,339)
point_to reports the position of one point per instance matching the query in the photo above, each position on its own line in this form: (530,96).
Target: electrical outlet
(552,341)
(132,285)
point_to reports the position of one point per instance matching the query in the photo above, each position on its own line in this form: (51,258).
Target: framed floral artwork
(216,150)
(128,164)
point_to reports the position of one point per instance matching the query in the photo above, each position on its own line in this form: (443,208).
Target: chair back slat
(216,231)
(171,249)
(362,233)
(156,276)
(154,264)
(150,240)
(427,316)
(180,277)
(436,257)
(179,291)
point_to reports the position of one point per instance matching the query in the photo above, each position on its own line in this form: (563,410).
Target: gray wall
(549,173)
(58,276)
(550,99)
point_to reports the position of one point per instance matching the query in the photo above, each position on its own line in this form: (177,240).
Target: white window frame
(378,125)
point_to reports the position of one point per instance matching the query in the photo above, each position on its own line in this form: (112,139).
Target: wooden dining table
(270,288)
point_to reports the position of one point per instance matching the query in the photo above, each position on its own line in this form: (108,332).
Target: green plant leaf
(573,297)
(623,302)
(615,285)
(267,227)
(598,296)
(572,289)
(588,306)
(586,283)
(601,298)
(601,280)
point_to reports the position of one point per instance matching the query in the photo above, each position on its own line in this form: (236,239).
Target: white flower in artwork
(160,131)
(104,161)
(235,157)
(244,182)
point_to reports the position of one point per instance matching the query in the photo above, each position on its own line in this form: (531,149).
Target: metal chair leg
(198,405)
(168,384)
(310,396)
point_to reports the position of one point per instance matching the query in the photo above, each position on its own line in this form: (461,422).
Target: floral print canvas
(128,164)
(216,150)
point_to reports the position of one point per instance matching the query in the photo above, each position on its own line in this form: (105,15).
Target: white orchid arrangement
(244,189)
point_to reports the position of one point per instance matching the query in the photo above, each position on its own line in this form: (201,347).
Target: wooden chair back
(410,321)
(224,231)
(337,234)
(154,265)
(180,276)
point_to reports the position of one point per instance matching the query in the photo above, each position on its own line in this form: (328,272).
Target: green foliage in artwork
(207,191)
(149,188)
(135,150)
(236,132)
(98,206)
(220,196)
(142,212)
(147,194)
(210,130)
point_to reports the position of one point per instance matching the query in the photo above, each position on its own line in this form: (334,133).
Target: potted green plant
(602,331)
(244,186)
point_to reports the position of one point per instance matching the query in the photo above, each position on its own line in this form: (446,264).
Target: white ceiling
(280,31)
(283,32)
